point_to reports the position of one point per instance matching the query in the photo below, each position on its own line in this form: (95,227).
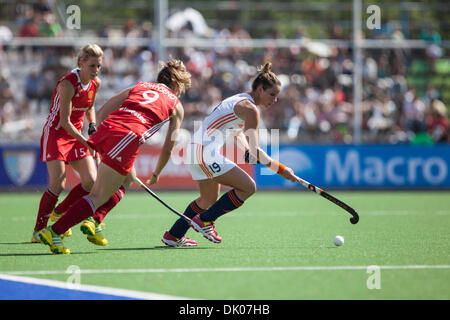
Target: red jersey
(145,110)
(81,101)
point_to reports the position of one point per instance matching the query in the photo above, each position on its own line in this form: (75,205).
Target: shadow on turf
(25,242)
(37,254)
(157,248)
(198,248)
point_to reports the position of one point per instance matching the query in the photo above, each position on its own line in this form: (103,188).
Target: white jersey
(220,122)
(206,161)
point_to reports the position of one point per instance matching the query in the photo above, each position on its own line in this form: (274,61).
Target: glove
(92,128)
(248,158)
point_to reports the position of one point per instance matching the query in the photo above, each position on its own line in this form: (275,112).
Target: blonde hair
(265,77)
(174,71)
(90,50)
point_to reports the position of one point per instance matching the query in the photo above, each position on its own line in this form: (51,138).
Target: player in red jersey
(62,142)
(126,121)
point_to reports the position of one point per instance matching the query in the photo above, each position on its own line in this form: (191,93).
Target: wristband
(281,168)
(275,165)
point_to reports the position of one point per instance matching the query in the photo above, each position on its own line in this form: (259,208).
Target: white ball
(338,240)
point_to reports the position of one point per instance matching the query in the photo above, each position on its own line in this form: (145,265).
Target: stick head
(354,219)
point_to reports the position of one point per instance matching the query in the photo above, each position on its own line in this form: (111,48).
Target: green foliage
(260,17)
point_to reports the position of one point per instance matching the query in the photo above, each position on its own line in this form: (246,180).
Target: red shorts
(60,145)
(118,147)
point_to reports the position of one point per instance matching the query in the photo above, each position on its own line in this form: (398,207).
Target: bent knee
(255,188)
(57,185)
(87,184)
(251,188)
(246,191)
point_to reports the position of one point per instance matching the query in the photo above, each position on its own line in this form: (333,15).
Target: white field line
(231,269)
(90,288)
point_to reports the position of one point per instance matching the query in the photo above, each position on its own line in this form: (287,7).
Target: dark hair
(174,71)
(265,77)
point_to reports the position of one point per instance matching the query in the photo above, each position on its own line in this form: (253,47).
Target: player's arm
(66,92)
(90,114)
(114,103)
(250,114)
(171,137)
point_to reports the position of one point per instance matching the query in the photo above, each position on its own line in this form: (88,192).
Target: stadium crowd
(316,100)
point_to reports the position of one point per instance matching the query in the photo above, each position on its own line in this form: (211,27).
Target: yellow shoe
(94,231)
(55,217)
(53,240)
(35,237)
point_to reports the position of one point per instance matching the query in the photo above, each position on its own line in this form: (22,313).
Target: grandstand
(316,104)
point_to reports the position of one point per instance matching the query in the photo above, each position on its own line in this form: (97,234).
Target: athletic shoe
(206,228)
(94,231)
(35,237)
(52,239)
(55,217)
(171,241)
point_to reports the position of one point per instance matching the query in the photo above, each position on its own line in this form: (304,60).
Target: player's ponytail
(265,68)
(174,72)
(90,50)
(265,77)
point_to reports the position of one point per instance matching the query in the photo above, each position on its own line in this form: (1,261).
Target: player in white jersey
(211,169)
(204,150)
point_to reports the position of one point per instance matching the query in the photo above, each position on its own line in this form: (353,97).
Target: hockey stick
(144,186)
(355,217)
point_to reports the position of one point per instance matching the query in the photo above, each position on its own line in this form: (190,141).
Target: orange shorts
(117,146)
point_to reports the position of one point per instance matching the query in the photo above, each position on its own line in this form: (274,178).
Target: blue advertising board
(327,166)
(20,167)
(361,166)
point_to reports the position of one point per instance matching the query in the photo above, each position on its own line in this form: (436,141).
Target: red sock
(75,194)
(48,202)
(102,211)
(79,211)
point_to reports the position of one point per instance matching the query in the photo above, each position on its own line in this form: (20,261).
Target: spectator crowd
(315,105)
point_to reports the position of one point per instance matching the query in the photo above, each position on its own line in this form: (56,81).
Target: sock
(75,194)
(102,211)
(180,227)
(46,205)
(79,211)
(228,202)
